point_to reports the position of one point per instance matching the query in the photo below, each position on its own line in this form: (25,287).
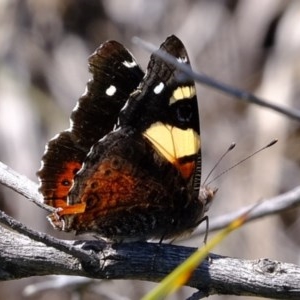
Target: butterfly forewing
(115,74)
(171,123)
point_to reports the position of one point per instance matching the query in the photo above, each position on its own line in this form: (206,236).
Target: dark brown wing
(165,110)
(115,76)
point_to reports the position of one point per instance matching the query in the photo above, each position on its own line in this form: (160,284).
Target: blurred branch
(59,282)
(22,257)
(31,253)
(280,203)
(208,81)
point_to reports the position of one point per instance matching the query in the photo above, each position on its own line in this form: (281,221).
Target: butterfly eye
(184,113)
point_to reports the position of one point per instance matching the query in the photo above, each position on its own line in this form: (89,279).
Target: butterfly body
(140,180)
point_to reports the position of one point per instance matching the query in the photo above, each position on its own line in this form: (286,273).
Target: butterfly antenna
(218,162)
(273,142)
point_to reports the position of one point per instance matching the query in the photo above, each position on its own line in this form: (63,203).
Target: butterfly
(129,166)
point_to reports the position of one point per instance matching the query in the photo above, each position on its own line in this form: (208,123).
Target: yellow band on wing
(175,143)
(183,92)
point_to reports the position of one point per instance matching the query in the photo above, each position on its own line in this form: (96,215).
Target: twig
(23,186)
(48,240)
(225,88)
(280,203)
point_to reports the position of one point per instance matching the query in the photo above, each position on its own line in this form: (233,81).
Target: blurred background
(253,45)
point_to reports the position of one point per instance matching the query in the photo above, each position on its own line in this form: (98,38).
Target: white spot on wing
(182,59)
(111,90)
(158,89)
(129,64)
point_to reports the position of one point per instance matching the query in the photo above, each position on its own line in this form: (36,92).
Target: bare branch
(280,203)
(46,239)
(22,257)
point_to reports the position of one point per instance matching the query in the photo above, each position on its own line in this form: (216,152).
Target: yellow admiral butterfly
(129,166)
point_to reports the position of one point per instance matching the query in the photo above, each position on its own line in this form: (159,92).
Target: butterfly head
(206,196)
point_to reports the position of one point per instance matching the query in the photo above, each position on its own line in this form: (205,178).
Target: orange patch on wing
(58,189)
(114,189)
(64,182)
(174,144)
(186,169)
(72,209)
